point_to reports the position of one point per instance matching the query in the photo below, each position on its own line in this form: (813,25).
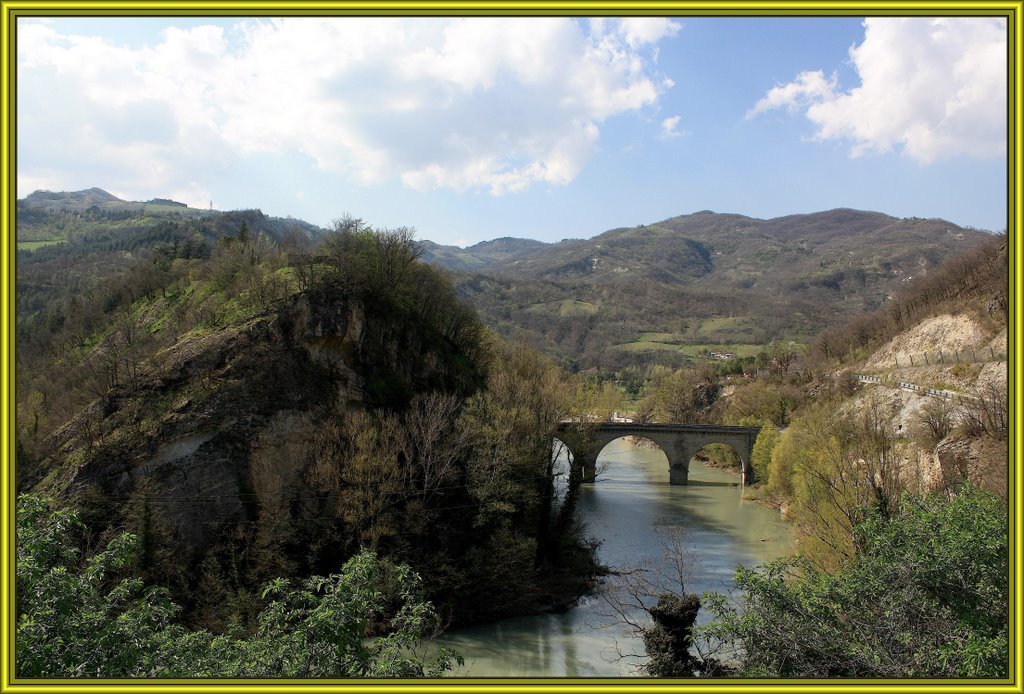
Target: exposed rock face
(983,462)
(953,333)
(193,433)
(220,428)
(956,458)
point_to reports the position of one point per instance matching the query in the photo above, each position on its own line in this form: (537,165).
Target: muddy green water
(630,509)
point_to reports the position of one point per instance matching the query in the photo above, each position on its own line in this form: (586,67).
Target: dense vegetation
(891,580)
(348,420)
(925,595)
(416,434)
(93,617)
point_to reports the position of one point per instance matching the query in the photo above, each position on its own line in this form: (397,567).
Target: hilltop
(46,217)
(663,291)
(482,256)
(658,293)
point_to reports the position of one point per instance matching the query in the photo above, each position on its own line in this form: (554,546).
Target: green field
(32,245)
(645,343)
(647,346)
(150,208)
(566,308)
(740,350)
(671,338)
(730,324)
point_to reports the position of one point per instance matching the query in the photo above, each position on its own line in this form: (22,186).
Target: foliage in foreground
(926,597)
(92,618)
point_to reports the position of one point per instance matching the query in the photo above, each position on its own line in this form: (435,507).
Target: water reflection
(628,509)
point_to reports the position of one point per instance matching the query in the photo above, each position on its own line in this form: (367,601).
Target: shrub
(927,597)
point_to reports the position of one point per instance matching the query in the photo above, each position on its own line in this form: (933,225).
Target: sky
(469,129)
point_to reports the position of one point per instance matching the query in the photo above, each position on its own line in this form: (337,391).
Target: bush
(81,617)
(761,455)
(935,420)
(927,597)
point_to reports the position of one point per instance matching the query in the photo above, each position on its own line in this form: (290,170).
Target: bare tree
(986,412)
(936,419)
(651,602)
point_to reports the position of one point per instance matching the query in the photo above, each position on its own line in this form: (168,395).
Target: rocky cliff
(222,426)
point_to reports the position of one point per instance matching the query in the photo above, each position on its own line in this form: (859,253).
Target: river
(632,510)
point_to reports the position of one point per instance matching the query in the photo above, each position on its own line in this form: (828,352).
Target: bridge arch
(680,442)
(728,462)
(602,443)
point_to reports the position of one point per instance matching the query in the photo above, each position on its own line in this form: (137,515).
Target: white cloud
(494,103)
(640,30)
(931,87)
(808,88)
(669,128)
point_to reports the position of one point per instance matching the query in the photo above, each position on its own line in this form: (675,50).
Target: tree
(761,455)
(926,596)
(651,601)
(510,427)
(783,355)
(986,413)
(319,628)
(82,617)
(90,617)
(833,466)
(686,396)
(759,400)
(936,420)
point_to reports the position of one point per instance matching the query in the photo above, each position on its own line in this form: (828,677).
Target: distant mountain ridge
(691,238)
(45,216)
(663,290)
(81,199)
(658,291)
(481,256)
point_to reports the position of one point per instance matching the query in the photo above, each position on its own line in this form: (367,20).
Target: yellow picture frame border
(11,10)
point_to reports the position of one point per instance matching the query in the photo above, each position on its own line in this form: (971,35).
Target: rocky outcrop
(219,428)
(984,462)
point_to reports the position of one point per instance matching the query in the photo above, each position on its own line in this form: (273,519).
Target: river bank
(630,510)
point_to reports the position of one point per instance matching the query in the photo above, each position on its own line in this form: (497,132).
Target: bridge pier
(679,451)
(589,462)
(679,473)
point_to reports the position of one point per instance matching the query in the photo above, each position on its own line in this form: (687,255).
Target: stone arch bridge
(679,442)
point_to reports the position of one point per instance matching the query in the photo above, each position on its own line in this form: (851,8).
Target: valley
(259,401)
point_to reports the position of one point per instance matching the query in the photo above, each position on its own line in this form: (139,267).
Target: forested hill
(251,413)
(46,217)
(482,256)
(707,242)
(660,292)
(652,294)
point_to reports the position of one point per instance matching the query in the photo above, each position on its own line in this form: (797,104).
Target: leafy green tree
(762,400)
(761,455)
(686,396)
(832,466)
(319,627)
(510,427)
(926,596)
(89,617)
(77,617)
